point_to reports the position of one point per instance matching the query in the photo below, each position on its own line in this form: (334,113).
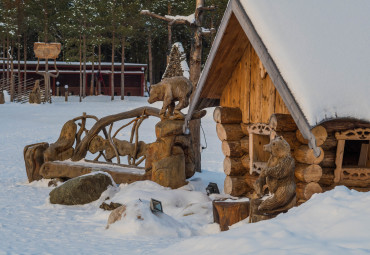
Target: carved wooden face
(155,94)
(278,147)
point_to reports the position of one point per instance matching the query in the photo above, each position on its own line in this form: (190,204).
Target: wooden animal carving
(170,90)
(35,95)
(278,175)
(62,149)
(124,148)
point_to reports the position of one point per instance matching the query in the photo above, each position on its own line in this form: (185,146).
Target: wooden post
(66,96)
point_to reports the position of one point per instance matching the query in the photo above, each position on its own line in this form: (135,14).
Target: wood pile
(174,67)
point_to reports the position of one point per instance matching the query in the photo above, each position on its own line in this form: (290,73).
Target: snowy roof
(321,49)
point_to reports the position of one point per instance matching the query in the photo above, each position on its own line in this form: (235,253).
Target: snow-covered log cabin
(300,69)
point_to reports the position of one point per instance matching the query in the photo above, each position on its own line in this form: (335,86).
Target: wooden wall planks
(256,97)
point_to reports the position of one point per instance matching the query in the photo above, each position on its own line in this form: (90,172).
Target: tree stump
(229,213)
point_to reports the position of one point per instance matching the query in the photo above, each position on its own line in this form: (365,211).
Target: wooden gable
(251,90)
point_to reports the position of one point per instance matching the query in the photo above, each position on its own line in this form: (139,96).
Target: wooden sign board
(46,50)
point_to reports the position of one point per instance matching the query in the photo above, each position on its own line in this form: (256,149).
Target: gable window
(353,155)
(259,135)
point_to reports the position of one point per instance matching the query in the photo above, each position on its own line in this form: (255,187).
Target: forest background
(94,31)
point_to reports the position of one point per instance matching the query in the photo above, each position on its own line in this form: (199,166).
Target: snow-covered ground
(335,222)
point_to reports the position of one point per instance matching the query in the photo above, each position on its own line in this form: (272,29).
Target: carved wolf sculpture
(170,90)
(278,175)
(123,147)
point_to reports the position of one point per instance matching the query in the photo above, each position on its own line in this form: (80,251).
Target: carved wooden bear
(170,90)
(278,175)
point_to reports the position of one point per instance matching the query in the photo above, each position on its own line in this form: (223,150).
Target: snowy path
(28,224)
(336,222)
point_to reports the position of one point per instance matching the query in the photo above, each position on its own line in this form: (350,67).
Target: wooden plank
(354,134)
(234,41)
(268,99)
(246,84)
(280,106)
(256,90)
(339,160)
(363,155)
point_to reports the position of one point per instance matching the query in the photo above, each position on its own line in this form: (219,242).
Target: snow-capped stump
(81,190)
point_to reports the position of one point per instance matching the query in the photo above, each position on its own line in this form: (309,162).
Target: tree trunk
(12,88)
(92,83)
(123,69)
(99,83)
(4,63)
(25,62)
(195,70)
(19,66)
(112,75)
(84,76)
(169,28)
(80,69)
(150,59)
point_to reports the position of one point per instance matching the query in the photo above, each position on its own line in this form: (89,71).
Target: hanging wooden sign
(46,50)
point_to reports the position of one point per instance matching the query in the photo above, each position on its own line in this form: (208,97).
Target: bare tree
(194,21)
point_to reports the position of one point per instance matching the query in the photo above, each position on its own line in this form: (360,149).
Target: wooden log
(234,167)
(244,128)
(246,161)
(331,143)
(329,159)
(227,115)
(244,143)
(283,122)
(344,124)
(229,132)
(303,154)
(236,186)
(308,173)
(232,149)
(250,180)
(306,190)
(229,213)
(319,132)
(291,138)
(327,178)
